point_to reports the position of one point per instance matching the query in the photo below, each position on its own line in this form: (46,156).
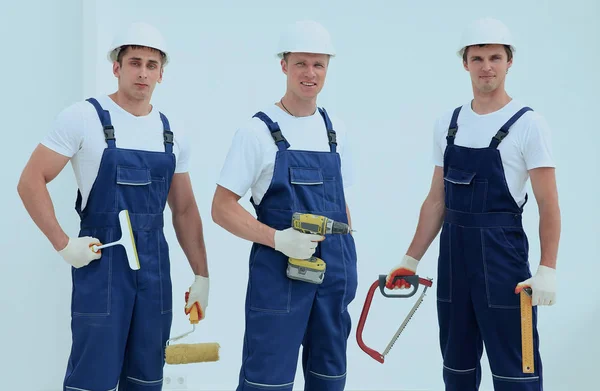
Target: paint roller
(127,241)
(191,353)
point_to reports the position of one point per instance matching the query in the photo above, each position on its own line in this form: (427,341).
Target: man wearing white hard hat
(125,156)
(485,151)
(293,157)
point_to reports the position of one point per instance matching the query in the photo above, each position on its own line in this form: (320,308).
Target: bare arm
(349,218)
(430,218)
(187,223)
(229,214)
(543,182)
(43,166)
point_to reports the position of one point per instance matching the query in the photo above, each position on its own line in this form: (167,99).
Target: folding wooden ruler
(527,331)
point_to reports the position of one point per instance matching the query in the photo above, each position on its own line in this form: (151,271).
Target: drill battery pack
(309,270)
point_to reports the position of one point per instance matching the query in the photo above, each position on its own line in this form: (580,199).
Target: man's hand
(198,295)
(78,251)
(296,244)
(543,285)
(408,266)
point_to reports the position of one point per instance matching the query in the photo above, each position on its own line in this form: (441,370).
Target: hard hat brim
(281,54)
(113,54)
(461,51)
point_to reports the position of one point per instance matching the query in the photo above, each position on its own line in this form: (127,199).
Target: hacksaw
(414,281)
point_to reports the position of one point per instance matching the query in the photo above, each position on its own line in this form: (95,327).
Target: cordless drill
(312,269)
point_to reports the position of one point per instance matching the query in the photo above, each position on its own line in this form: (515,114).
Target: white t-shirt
(77,133)
(251,158)
(527,146)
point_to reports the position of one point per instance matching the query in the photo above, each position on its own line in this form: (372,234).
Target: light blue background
(396,70)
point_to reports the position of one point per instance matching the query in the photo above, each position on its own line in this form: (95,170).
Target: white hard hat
(305,37)
(485,31)
(141,34)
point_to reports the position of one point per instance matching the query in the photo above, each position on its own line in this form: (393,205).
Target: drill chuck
(335,227)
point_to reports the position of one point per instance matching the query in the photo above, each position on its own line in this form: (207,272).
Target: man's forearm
(550,225)
(37,202)
(189,231)
(237,220)
(349,217)
(430,222)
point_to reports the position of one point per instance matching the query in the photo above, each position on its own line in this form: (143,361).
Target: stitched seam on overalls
(345,278)
(160,279)
(328,377)
(483,207)
(516,379)
(107,313)
(144,382)
(449,299)
(485,274)
(460,371)
(116,206)
(268,385)
(472,185)
(110,273)
(510,244)
(450,263)
(268,310)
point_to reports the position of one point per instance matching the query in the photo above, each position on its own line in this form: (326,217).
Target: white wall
(395,72)
(41,70)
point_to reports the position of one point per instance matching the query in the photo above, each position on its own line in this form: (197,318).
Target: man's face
(488,66)
(306,73)
(139,71)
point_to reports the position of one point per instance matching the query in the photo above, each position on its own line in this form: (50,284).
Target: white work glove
(543,285)
(408,266)
(198,295)
(296,244)
(78,251)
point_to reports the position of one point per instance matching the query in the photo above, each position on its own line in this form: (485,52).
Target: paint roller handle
(194,315)
(95,247)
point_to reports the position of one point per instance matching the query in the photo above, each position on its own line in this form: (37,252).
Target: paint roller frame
(127,241)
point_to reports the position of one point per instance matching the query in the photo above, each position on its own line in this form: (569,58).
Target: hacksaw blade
(406,320)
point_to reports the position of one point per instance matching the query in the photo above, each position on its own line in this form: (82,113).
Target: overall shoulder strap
(104,115)
(331,135)
(453,128)
(167,134)
(503,132)
(282,143)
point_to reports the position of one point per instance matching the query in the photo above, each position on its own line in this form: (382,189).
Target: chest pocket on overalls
(309,190)
(137,191)
(465,192)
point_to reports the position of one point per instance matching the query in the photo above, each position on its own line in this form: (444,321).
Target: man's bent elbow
(216,212)
(24,185)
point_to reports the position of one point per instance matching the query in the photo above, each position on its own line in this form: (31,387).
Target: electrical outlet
(175,382)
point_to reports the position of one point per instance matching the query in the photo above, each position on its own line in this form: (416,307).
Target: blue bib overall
(121,318)
(483,256)
(281,313)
